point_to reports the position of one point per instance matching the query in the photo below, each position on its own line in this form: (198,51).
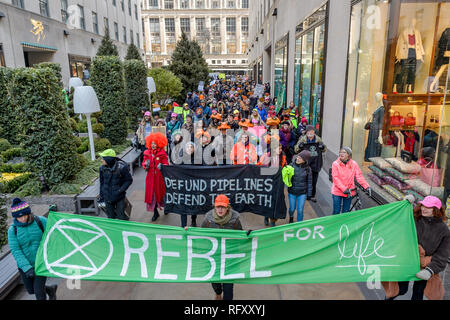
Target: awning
(39,47)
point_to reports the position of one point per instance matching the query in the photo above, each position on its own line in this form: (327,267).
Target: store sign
(38,29)
(376,244)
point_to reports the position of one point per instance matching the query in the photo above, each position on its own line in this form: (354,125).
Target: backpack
(39,223)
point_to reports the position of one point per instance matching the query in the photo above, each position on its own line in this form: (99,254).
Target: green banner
(376,243)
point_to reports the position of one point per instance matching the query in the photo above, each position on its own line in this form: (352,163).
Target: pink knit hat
(431,201)
(147,114)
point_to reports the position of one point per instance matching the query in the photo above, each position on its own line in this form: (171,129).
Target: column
(223,27)
(238,34)
(162,31)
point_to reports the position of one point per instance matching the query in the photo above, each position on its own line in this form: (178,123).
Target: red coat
(154,181)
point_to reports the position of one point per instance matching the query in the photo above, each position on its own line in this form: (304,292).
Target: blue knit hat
(19,208)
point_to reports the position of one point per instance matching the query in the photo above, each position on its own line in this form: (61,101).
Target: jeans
(116,210)
(184,219)
(35,285)
(297,202)
(226,288)
(341,202)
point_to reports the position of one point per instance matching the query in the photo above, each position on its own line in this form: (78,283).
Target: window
(244,46)
(231,4)
(244,4)
(131,37)
(125,34)
(168,4)
(233,61)
(244,25)
(122,4)
(215,4)
(135,11)
(200,25)
(18,3)
(231,26)
(184,4)
(213,61)
(94,22)
(231,47)
(243,61)
(82,20)
(215,27)
(153,3)
(114,3)
(228,61)
(129,8)
(170,25)
(64,14)
(106,25)
(199,4)
(116,31)
(154,25)
(185,24)
(43,8)
(138,40)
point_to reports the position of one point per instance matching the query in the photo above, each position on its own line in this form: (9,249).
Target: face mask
(310,136)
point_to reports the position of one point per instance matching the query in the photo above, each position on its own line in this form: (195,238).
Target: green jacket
(25,244)
(287,172)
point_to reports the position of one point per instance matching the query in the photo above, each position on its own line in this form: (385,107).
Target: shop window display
(397,110)
(281,50)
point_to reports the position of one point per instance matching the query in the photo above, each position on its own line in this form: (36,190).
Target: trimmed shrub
(14,184)
(107,81)
(12,153)
(4,145)
(133,53)
(9,123)
(49,144)
(101,144)
(98,128)
(13,168)
(135,74)
(107,47)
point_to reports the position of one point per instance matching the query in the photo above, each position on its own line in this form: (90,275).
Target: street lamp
(85,102)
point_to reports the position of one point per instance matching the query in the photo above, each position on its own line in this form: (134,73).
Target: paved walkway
(93,290)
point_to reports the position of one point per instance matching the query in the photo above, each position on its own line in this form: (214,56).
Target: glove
(321,146)
(159,166)
(424,274)
(369,191)
(348,191)
(30,273)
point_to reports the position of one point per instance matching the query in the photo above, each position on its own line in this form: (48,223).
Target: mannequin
(435,84)
(409,50)
(375,139)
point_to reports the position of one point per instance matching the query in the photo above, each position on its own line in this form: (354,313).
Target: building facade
(67,32)
(220,27)
(368,74)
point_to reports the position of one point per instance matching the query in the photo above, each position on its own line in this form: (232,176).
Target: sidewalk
(92,290)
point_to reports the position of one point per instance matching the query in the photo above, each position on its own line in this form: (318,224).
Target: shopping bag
(430,175)
(410,120)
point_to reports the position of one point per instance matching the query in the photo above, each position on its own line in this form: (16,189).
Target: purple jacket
(285,141)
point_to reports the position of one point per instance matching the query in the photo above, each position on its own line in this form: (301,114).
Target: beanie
(19,208)
(305,155)
(309,128)
(348,150)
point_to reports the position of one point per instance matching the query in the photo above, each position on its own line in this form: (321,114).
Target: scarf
(222,220)
(24,224)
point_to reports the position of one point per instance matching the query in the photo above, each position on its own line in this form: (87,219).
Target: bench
(9,275)
(86,202)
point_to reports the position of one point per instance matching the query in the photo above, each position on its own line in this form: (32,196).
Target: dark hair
(438,213)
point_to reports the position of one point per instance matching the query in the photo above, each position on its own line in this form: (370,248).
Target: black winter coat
(434,236)
(114,181)
(301,180)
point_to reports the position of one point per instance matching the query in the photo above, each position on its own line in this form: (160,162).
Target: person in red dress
(154,157)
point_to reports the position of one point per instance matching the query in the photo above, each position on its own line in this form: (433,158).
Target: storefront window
(281,50)
(397,114)
(2,57)
(309,62)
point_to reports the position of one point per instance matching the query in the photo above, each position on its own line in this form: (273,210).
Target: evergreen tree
(133,53)
(188,64)
(135,75)
(107,47)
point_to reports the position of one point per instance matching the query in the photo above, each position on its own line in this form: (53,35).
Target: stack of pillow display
(399,178)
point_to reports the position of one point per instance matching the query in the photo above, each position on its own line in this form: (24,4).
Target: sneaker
(291,219)
(313,199)
(272,223)
(155,215)
(51,291)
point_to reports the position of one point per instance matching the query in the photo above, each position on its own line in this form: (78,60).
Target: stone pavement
(93,290)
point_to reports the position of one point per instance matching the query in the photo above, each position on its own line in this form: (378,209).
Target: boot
(291,219)
(193,222)
(266,221)
(155,215)
(51,291)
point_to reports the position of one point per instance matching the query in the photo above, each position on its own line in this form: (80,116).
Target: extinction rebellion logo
(75,240)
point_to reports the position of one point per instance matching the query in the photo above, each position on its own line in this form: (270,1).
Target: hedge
(11,153)
(135,74)
(9,125)
(48,142)
(4,145)
(107,81)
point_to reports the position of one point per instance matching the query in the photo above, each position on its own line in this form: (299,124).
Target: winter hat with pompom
(19,208)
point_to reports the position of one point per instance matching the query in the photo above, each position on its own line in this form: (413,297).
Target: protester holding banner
(154,158)
(313,143)
(145,128)
(24,237)
(188,125)
(344,172)
(433,237)
(222,217)
(287,140)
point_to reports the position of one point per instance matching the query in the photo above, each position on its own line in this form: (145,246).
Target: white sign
(151,85)
(200,86)
(259,90)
